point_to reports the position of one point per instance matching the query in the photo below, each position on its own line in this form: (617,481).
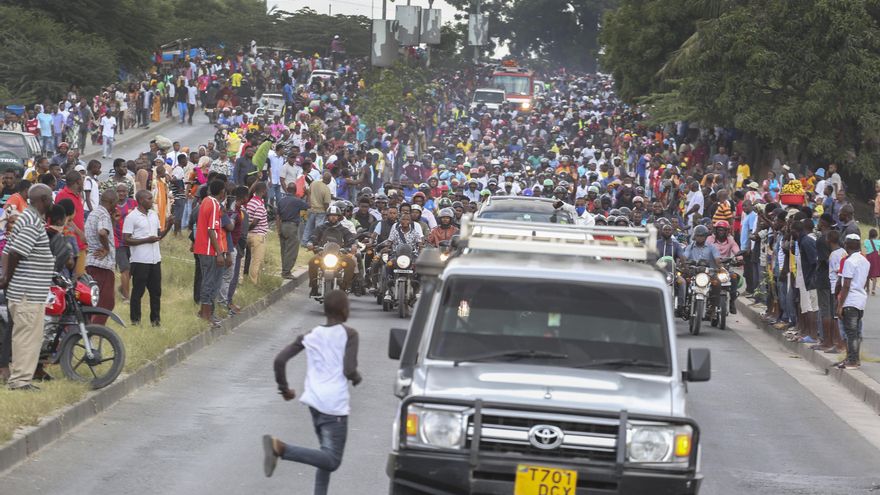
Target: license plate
(403,271)
(539,480)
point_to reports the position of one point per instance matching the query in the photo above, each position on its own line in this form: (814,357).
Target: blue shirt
(45,121)
(669,247)
(749,223)
(706,252)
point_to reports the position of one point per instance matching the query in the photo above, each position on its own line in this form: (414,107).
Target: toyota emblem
(546,437)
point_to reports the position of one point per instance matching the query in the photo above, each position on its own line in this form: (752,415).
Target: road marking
(852,411)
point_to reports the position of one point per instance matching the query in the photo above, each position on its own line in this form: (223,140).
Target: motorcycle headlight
(331,260)
(384,257)
(723,277)
(95,293)
(658,443)
(670,278)
(403,261)
(430,427)
(702,279)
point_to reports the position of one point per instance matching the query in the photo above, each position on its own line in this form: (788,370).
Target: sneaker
(848,366)
(26,388)
(807,340)
(780,325)
(270,458)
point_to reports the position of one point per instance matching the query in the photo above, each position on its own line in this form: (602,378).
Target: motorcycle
(666,264)
(719,297)
(363,257)
(402,286)
(330,271)
(86,352)
(697,294)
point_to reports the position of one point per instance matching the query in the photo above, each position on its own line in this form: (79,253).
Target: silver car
(535,370)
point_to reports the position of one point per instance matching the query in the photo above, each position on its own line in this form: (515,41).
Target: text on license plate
(538,480)
(402,271)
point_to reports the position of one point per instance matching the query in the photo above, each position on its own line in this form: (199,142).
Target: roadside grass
(144,343)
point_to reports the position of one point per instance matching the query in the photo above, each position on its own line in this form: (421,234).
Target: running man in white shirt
(331,351)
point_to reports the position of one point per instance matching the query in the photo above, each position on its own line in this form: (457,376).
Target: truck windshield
(489,97)
(518,85)
(556,323)
(528,216)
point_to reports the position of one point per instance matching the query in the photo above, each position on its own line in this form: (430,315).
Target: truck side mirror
(699,367)
(396,338)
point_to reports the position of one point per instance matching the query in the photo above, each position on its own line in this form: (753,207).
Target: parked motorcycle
(330,270)
(86,352)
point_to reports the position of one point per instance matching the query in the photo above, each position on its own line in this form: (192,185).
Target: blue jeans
(314,220)
(48,143)
(236,273)
(274,194)
(181,111)
(332,432)
(852,325)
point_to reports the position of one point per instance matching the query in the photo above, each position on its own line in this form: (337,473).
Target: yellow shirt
(742,172)
(236,80)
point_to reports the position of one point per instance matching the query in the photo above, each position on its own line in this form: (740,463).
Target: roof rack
(627,243)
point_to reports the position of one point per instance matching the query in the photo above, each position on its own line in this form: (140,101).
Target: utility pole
(384,9)
(477,47)
(330,9)
(428,64)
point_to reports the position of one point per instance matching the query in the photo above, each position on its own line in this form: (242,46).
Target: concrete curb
(858,383)
(27,441)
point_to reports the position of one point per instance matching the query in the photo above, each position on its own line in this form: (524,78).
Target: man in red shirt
(73,191)
(210,247)
(32,126)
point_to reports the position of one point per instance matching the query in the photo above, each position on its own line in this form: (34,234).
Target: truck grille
(584,438)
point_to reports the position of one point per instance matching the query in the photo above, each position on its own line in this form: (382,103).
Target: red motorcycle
(85,351)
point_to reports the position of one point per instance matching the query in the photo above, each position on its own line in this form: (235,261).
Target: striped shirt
(33,275)
(100,220)
(259,218)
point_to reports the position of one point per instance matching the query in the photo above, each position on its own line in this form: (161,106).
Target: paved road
(197,431)
(189,136)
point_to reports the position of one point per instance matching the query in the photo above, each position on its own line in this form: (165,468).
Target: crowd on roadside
(314,162)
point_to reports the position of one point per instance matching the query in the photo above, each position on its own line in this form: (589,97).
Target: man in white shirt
(108,134)
(191,95)
(91,186)
(331,351)
(854,295)
(141,233)
(276,164)
(290,172)
(695,203)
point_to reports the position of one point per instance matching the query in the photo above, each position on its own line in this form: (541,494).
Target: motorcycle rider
(667,245)
(727,248)
(698,250)
(445,230)
(331,230)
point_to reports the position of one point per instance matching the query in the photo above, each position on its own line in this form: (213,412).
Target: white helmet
(446,212)
(334,210)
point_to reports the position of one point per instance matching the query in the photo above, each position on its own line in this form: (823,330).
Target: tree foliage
(312,32)
(390,92)
(40,57)
(801,77)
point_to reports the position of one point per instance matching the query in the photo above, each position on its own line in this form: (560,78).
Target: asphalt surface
(198,430)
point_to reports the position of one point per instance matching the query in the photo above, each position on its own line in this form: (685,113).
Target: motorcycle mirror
(699,366)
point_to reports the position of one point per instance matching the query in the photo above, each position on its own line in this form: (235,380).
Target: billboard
(478,29)
(384,48)
(431,26)
(409,20)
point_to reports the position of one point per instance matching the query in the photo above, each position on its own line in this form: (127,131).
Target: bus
(517,83)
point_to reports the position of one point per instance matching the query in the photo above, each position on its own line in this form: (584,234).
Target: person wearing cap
(852,299)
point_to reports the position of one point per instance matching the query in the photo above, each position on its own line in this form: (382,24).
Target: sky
(369,8)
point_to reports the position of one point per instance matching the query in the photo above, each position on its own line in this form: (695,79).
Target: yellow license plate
(539,480)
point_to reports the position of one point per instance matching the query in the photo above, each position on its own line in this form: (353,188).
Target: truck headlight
(702,279)
(403,262)
(526,105)
(330,260)
(723,277)
(435,427)
(658,443)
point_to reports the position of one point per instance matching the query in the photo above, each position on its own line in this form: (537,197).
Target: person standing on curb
(257,230)
(102,251)
(331,351)
(210,247)
(287,220)
(142,233)
(27,275)
(853,296)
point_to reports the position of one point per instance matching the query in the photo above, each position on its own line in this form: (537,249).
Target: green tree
(129,27)
(39,56)
(311,32)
